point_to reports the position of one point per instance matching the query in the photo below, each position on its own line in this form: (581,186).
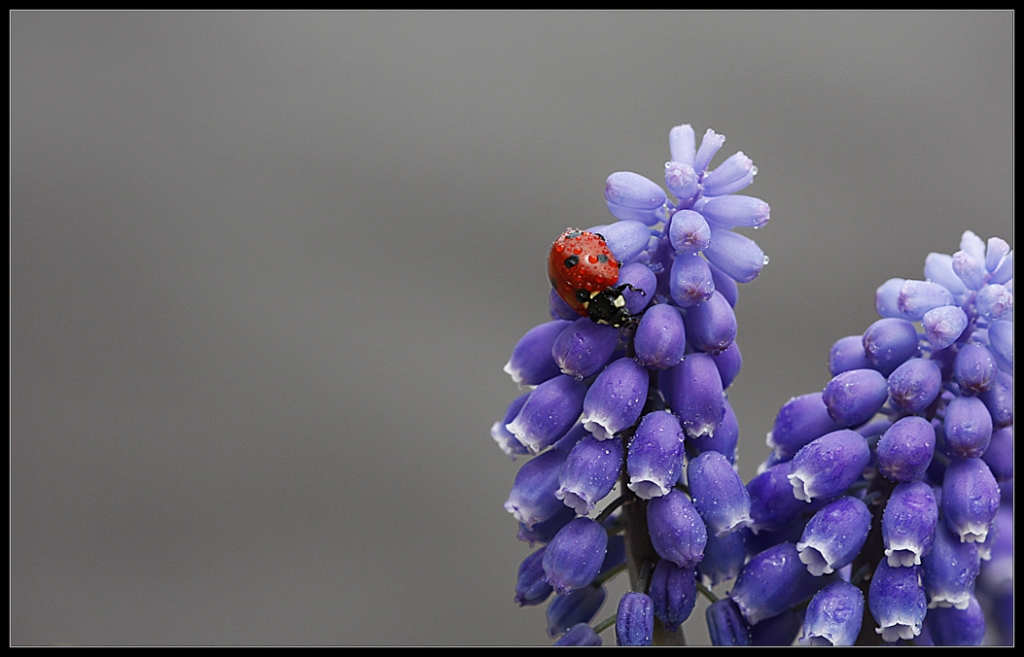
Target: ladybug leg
(622,288)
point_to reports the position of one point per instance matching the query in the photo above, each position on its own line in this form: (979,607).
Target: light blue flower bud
(918,297)
(905,450)
(889,342)
(735,211)
(887,298)
(994,301)
(683,182)
(682,143)
(709,146)
(943,325)
(968,427)
(689,232)
(690,282)
(736,255)
(627,239)
(971,270)
(914,385)
(848,354)
(736,173)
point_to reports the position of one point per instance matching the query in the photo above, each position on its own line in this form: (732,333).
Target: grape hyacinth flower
(882,500)
(627,384)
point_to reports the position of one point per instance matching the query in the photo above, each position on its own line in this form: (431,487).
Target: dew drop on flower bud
(766,260)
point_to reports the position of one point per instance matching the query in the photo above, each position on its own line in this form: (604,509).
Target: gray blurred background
(267,267)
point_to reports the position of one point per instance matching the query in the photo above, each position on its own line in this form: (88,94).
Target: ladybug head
(608,306)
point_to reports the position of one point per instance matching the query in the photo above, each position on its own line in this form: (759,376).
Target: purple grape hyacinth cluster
(887,499)
(641,407)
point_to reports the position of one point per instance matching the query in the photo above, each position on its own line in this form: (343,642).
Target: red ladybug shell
(579,266)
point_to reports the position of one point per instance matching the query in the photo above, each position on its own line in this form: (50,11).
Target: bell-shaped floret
(655,457)
(897,601)
(590,473)
(834,615)
(532,586)
(574,556)
(834,536)
(906,448)
(531,363)
(970,499)
(950,626)
(799,421)
(827,466)
(549,412)
(949,570)
(772,581)
(615,399)
(711,325)
(908,523)
(532,499)
(583,348)
(696,395)
(718,493)
(677,531)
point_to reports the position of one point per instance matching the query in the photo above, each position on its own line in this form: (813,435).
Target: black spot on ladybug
(571,261)
(583,295)
(602,258)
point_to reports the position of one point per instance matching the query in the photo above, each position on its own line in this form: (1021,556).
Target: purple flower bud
(772,504)
(853,397)
(994,301)
(887,298)
(660,338)
(949,570)
(968,427)
(576,606)
(771,582)
(690,282)
(584,347)
(673,592)
(827,466)
(918,297)
(682,144)
(632,197)
(696,395)
(645,283)
(834,536)
(996,251)
(634,623)
(943,325)
(550,410)
(889,342)
(559,309)
(999,455)
(724,557)
(1004,272)
(999,400)
(897,601)
(915,384)
(506,441)
(736,211)
(709,145)
(711,325)
(531,586)
(728,363)
(950,626)
(973,245)
(1000,337)
(779,630)
(689,232)
(848,354)
(970,270)
(655,457)
(627,239)
(677,532)
(726,624)
(800,420)
(544,531)
(615,399)
(908,523)
(724,440)
(938,268)
(970,499)
(683,182)
(736,255)
(974,369)
(736,173)
(905,450)
(531,362)
(579,634)
(574,556)
(834,615)
(718,493)
(590,473)
(725,284)
(532,499)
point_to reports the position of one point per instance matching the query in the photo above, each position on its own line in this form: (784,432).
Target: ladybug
(584,272)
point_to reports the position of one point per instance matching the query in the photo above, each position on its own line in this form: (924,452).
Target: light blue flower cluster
(639,407)
(889,489)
